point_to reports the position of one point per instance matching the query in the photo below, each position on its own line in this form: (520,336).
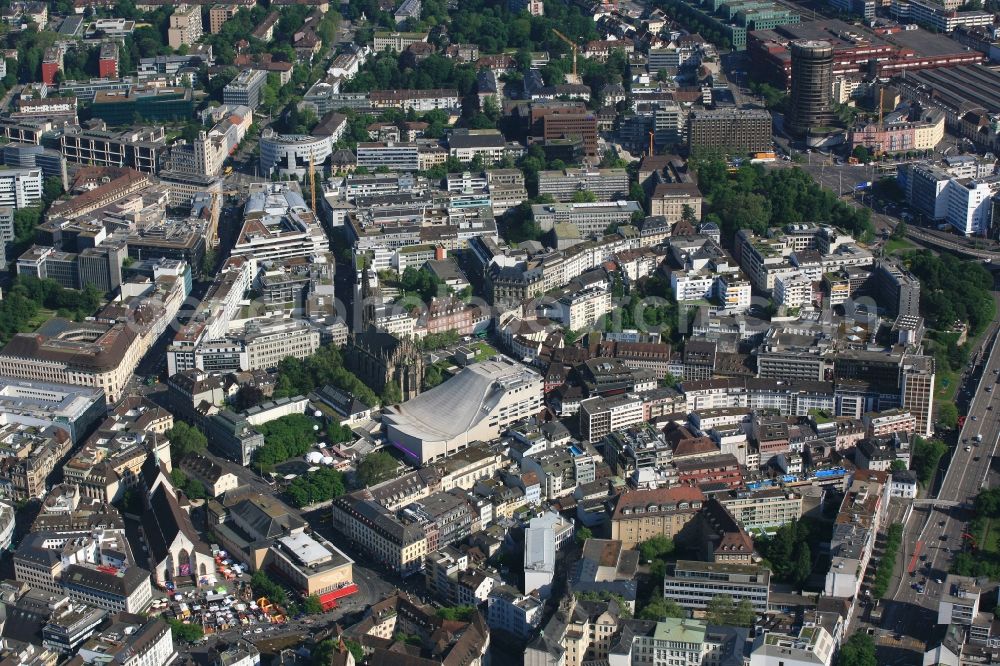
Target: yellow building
(643,514)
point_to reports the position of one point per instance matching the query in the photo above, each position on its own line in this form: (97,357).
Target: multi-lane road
(933,533)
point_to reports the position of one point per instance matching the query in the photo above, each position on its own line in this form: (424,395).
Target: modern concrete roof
(454,407)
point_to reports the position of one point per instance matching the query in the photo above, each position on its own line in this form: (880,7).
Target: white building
(959,602)
(969,204)
(581,310)
(464,146)
(20,188)
(793,291)
(904,484)
(694,584)
(481,401)
(540,554)
(512,612)
(212,148)
(6,525)
(600,416)
(277,224)
(389,154)
(129,644)
(670,642)
(814,646)
(292,154)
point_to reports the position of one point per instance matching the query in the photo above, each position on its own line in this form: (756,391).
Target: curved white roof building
(477,404)
(290,153)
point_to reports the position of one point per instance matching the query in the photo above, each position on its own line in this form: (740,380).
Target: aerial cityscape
(499,332)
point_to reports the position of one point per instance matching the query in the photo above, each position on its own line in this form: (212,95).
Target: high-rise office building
(812,86)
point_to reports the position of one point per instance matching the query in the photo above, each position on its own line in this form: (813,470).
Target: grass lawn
(42,316)
(898,245)
(484,351)
(945,384)
(988,540)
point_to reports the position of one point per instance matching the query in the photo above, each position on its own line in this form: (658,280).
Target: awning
(329,600)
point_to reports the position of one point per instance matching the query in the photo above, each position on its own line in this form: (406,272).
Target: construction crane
(214,214)
(312,180)
(572,45)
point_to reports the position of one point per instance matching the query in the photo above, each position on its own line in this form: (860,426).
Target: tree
(927,454)
(195,490)
(744,615)
(338,432)
(185,439)
(657,547)
(357,651)
(320,486)
(459,613)
(687,214)
(263,586)
(858,650)
(377,467)
(178,478)
(947,415)
(720,609)
(584,196)
(660,608)
(392,394)
(897,466)
(52,189)
(312,605)
(803,566)
(861,153)
(185,633)
(287,437)
(899,231)
(583,534)
(491,109)
(433,377)
(322,654)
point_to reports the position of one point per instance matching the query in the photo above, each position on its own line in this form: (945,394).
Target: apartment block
(740,130)
(605,184)
(599,416)
(185,26)
(245,89)
(639,515)
(694,584)
(391,155)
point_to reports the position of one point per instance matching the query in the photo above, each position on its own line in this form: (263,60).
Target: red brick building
(107,63)
(52,62)
(721,469)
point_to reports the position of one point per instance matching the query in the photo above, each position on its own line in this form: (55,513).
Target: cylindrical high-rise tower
(812,86)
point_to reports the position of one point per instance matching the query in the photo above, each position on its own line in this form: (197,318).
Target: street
(935,526)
